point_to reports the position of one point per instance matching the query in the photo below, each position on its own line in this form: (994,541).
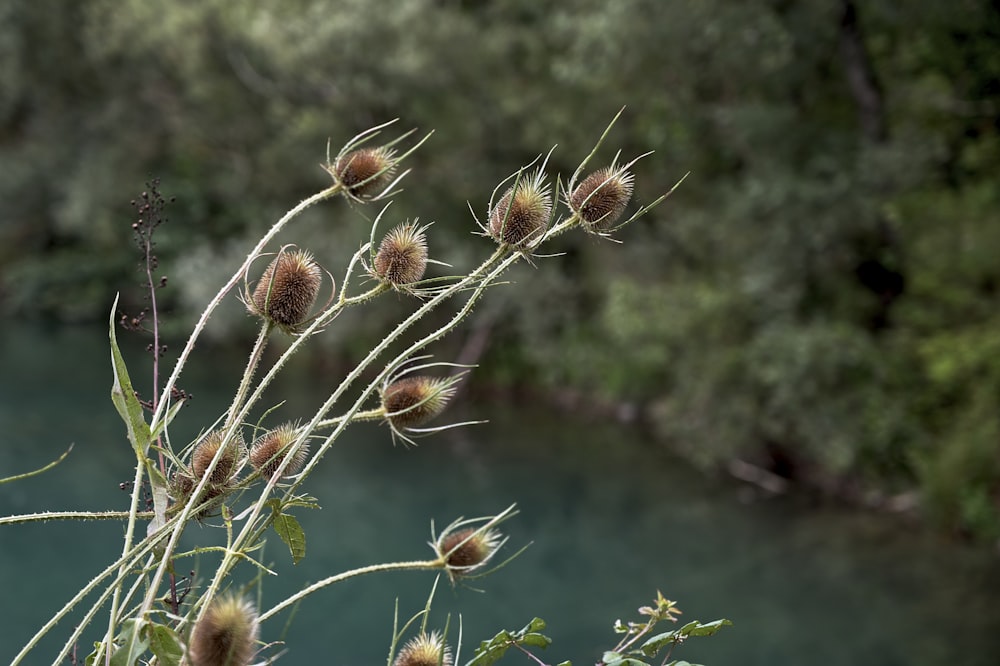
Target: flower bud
(412,401)
(205,451)
(467,549)
(226,634)
(424,650)
(270,450)
(522,213)
(600,198)
(287,290)
(402,255)
(364,172)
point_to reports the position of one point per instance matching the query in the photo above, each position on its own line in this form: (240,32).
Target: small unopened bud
(364,172)
(287,290)
(270,450)
(412,401)
(600,198)
(402,255)
(424,650)
(226,635)
(467,549)
(204,453)
(521,214)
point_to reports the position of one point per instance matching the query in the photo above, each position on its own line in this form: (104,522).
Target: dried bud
(467,549)
(424,650)
(521,215)
(364,172)
(226,634)
(269,451)
(412,401)
(402,255)
(205,451)
(600,199)
(181,485)
(287,290)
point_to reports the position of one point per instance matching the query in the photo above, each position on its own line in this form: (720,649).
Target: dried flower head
(205,451)
(600,198)
(412,401)
(271,448)
(522,213)
(287,290)
(468,549)
(182,484)
(402,255)
(226,634)
(424,650)
(364,172)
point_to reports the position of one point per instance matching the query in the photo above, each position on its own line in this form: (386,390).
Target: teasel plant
(253,491)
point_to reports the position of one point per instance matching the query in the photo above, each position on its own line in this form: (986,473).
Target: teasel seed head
(271,448)
(467,549)
(522,213)
(364,172)
(424,650)
(205,451)
(412,401)
(226,635)
(287,290)
(600,198)
(182,484)
(402,255)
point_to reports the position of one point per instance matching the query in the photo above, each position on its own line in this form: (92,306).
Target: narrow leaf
(658,642)
(291,533)
(123,396)
(710,628)
(158,483)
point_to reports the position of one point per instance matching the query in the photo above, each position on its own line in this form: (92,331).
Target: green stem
(255,356)
(416,565)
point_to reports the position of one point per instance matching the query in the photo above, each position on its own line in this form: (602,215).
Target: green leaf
(536,640)
(656,643)
(291,533)
(536,624)
(710,628)
(123,396)
(133,644)
(166,645)
(611,657)
(565,663)
(489,652)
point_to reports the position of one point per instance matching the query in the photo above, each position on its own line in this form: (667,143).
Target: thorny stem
(255,356)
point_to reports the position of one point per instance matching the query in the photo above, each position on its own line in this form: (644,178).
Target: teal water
(611,518)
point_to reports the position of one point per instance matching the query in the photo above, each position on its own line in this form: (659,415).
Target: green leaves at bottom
(489,652)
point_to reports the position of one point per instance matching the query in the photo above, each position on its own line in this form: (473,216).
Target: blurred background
(814,310)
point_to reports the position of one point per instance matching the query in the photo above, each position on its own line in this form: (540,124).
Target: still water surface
(611,517)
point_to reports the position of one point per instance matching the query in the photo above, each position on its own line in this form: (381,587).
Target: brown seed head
(412,401)
(365,172)
(181,485)
(424,650)
(270,449)
(521,215)
(402,255)
(601,197)
(226,634)
(477,548)
(287,290)
(205,451)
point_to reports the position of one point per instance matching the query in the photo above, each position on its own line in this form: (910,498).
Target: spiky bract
(600,198)
(226,635)
(402,255)
(287,290)
(522,213)
(424,650)
(271,448)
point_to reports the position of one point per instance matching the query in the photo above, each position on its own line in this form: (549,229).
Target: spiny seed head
(402,255)
(270,449)
(181,485)
(364,172)
(226,634)
(287,290)
(468,548)
(412,401)
(424,650)
(205,451)
(601,197)
(522,213)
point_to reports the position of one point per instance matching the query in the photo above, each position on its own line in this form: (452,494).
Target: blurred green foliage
(820,297)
